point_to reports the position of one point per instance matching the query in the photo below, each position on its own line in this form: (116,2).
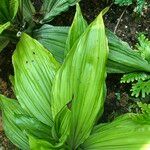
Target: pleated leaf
(88,75)
(32,126)
(54,39)
(52,8)
(28,10)
(78,27)
(34,69)
(13,7)
(123,133)
(12,130)
(8,10)
(122,58)
(80,81)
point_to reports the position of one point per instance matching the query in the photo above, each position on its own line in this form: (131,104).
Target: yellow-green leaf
(34,69)
(78,27)
(79,83)
(122,134)
(12,130)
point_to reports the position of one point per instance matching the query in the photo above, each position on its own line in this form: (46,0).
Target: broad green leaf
(52,8)
(54,39)
(122,59)
(27,10)
(80,81)
(78,27)
(32,126)
(13,7)
(39,144)
(123,133)
(12,130)
(89,81)
(34,69)
(4,27)
(8,10)
(78,22)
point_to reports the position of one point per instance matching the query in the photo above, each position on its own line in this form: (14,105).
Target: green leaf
(65,98)
(123,2)
(80,81)
(54,39)
(42,145)
(122,59)
(34,69)
(32,126)
(52,8)
(124,133)
(89,81)
(8,10)
(13,7)
(61,128)
(78,27)
(28,10)
(4,27)
(12,130)
(140,6)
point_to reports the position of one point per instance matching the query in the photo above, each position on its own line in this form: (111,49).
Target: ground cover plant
(59,106)
(59,41)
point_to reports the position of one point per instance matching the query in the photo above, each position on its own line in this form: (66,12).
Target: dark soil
(118,95)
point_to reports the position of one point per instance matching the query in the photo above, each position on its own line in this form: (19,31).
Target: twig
(119,20)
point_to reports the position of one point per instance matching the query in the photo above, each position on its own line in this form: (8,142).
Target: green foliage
(18,16)
(140,4)
(52,8)
(123,2)
(131,77)
(57,106)
(122,59)
(54,39)
(8,10)
(143,47)
(142,86)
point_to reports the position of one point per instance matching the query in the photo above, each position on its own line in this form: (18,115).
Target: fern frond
(145,108)
(141,87)
(131,77)
(144,117)
(143,47)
